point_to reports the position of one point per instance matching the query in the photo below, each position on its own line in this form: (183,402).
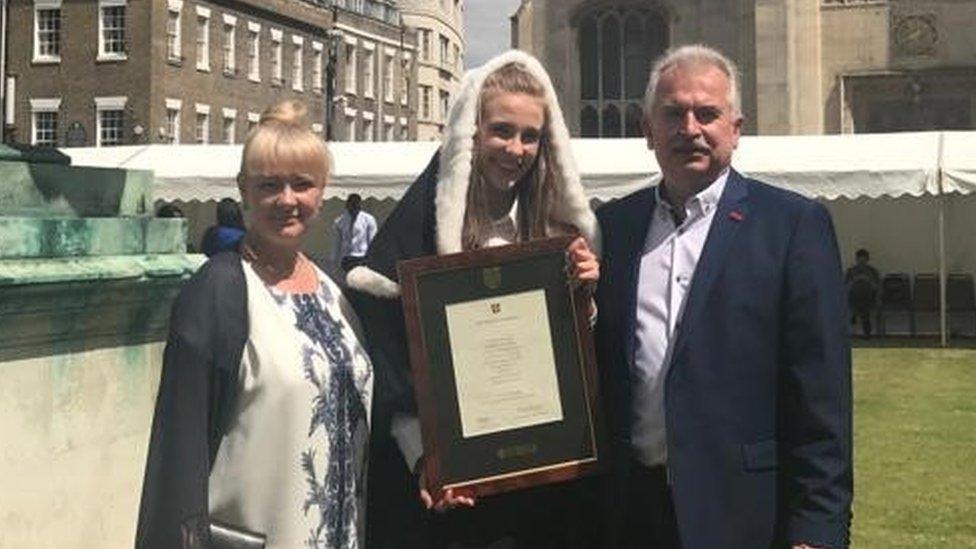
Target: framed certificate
(502,356)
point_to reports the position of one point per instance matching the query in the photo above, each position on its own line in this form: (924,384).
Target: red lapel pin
(736,215)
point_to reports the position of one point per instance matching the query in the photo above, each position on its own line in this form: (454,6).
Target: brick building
(113,72)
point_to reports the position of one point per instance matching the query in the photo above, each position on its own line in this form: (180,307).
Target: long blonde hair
(537,187)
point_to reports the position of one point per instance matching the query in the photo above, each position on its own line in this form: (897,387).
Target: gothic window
(589,122)
(611,121)
(632,123)
(617,46)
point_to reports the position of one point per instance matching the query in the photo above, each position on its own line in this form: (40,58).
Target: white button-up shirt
(352,239)
(667,266)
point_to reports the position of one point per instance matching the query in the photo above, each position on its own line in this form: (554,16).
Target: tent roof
(831,166)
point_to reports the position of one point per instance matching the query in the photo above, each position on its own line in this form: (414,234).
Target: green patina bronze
(81,258)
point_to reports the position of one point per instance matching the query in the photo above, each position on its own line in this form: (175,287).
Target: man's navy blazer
(758,389)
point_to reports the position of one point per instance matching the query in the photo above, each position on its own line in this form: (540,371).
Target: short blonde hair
(282,139)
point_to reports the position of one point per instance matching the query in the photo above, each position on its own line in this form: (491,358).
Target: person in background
(505,173)
(227,234)
(352,233)
(169,211)
(863,283)
(172,211)
(262,416)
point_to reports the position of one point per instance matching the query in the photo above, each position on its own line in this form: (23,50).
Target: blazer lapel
(732,213)
(634,235)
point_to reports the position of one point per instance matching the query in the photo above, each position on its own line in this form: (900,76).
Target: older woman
(261,420)
(504,174)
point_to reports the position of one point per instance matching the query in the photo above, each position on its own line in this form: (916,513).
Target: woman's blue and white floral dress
(292,465)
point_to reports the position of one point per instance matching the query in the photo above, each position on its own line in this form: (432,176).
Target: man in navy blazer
(722,340)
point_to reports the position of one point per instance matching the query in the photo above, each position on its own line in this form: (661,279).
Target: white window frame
(174,51)
(203,39)
(368,128)
(369,70)
(45,106)
(317,56)
(39,6)
(426,102)
(229,47)
(173,130)
(350,70)
(389,57)
(351,115)
(425,35)
(201,137)
(297,63)
(113,103)
(252,120)
(104,55)
(229,138)
(277,57)
(443,103)
(254,51)
(389,131)
(405,77)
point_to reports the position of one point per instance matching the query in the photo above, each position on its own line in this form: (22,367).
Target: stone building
(808,66)
(114,72)
(375,60)
(440,36)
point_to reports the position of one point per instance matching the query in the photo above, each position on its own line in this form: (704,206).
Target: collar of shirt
(697,206)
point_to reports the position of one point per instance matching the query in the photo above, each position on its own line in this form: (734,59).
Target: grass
(915,448)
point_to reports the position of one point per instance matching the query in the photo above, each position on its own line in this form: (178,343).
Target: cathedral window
(616,49)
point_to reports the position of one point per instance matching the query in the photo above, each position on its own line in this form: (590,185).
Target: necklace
(297,273)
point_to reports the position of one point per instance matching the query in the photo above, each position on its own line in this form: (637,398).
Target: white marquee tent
(907,197)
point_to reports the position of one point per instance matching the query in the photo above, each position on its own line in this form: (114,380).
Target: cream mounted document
(504,365)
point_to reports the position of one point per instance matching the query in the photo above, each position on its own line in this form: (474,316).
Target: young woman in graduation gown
(504,174)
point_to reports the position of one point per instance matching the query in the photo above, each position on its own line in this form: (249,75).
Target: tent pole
(943,308)
(943,313)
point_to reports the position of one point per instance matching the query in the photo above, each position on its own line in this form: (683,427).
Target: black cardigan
(197,392)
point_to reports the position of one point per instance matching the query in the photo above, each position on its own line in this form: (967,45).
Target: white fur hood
(570,205)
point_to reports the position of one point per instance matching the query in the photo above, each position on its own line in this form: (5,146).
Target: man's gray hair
(694,55)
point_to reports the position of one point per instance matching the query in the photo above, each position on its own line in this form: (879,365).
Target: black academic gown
(540,518)
(207,333)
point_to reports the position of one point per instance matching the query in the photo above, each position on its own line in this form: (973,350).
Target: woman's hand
(447,500)
(584,268)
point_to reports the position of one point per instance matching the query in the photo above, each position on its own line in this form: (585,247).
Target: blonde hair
(537,187)
(282,139)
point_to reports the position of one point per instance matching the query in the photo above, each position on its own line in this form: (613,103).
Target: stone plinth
(87,280)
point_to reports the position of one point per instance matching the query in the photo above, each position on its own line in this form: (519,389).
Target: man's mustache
(692,147)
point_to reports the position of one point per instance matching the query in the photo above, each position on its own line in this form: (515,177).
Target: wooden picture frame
(496,417)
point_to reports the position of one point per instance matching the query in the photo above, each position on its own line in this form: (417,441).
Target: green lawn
(914,448)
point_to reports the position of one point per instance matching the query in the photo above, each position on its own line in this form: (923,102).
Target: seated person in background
(169,211)
(863,282)
(227,234)
(353,231)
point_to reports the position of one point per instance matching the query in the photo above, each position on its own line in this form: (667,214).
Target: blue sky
(486,29)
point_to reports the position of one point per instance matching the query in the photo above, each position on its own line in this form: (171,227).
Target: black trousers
(649,511)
